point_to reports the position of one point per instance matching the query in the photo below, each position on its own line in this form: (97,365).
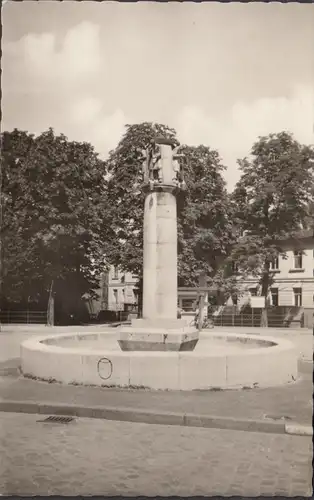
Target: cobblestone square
(91,457)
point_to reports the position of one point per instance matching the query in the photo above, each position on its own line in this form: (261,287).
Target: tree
(204,217)
(53,217)
(272,200)
(205,229)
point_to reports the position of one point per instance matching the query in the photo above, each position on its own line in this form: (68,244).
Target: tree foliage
(125,198)
(272,200)
(64,210)
(53,216)
(204,219)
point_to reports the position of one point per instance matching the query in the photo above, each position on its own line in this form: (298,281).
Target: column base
(158,335)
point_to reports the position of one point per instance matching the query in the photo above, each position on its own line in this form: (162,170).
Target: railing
(224,316)
(113,306)
(254,320)
(24,317)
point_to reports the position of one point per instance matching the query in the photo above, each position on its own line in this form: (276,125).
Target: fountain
(160,351)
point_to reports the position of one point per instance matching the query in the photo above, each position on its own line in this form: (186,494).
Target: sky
(221,74)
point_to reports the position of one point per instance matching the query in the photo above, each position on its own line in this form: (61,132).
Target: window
(274,264)
(187,304)
(115,273)
(234,299)
(297,297)
(298,259)
(235,267)
(253,291)
(274,296)
(115,294)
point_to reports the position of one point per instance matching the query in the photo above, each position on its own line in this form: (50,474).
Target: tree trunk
(201,283)
(139,287)
(264,317)
(265,288)
(201,311)
(51,307)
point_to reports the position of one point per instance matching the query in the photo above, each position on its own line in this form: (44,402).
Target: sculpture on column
(178,168)
(152,166)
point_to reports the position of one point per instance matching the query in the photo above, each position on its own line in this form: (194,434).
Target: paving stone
(92,457)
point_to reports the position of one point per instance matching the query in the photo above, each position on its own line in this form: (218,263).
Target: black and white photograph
(157,249)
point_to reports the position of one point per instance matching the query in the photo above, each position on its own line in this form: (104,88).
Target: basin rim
(38,344)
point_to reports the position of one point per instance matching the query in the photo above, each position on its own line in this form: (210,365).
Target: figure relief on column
(177,165)
(157,167)
(152,168)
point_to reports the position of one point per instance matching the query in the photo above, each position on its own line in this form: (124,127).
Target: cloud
(234,133)
(61,80)
(78,57)
(86,110)
(109,128)
(295,114)
(56,77)
(88,123)
(50,75)
(37,56)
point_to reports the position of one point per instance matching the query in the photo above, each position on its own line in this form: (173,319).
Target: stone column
(160,256)
(160,329)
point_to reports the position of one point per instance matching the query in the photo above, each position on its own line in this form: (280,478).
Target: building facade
(291,297)
(293,289)
(121,291)
(117,292)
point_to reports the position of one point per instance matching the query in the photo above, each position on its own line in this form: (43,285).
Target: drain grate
(57,420)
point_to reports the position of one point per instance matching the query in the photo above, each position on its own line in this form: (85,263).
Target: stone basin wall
(269,362)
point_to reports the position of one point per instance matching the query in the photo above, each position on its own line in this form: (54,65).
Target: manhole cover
(57,420)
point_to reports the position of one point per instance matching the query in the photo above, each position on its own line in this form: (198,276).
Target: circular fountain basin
(219,360)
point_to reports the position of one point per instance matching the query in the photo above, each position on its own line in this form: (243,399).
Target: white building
(117,292)
(122,293)
(293,289)
(291,295)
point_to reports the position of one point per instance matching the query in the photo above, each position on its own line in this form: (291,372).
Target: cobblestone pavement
(91,457)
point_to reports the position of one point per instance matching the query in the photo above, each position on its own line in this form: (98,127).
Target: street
(91,457)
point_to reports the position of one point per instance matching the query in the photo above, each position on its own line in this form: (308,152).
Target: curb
(125,414)
(305,366)
(298,430)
